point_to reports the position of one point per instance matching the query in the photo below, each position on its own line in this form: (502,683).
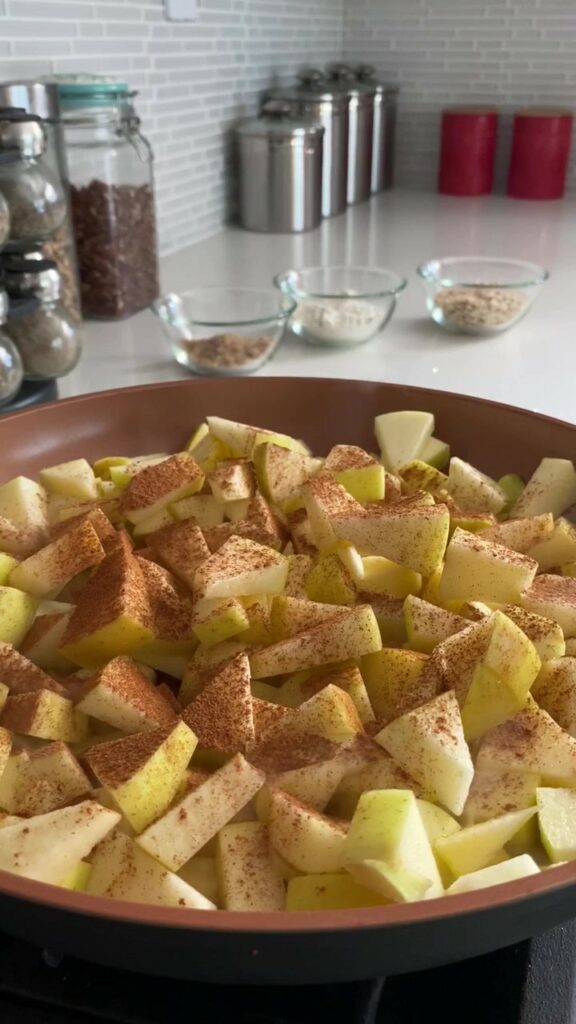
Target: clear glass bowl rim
(539,273)
(279,317)
(380,294)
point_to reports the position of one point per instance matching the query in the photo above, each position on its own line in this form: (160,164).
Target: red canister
(540,152)
(468,149)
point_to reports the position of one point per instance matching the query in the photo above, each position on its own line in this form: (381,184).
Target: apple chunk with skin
(530,742)
(181,548)
(23,505)
(410,533)
(521,534)
(248,880)
(429,744)
(555,691)
(397,681)
(387,848)
(20,675)
(427,625)
(496,874)
(555,598)
(359,473)
(53,566)
(551,488)
(123,697)
(221,715)
(329,892)
(545,634)
(281,472)
(557,821)
(402,436)
(307,839)
(45,715)
(122,871)
(73,479)
(155,487)
(475,847)
(241,567)
(42,780)
(350,635)
(242,438)
(472,490)
(48,846)
(143,772)
(199,815)
(481,570)
(17,611)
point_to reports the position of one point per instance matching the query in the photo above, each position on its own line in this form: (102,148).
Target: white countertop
(533,365)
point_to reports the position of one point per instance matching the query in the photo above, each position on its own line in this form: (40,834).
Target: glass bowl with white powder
(480,295)
(340,306)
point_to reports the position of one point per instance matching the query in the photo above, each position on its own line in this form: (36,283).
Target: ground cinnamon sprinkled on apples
(152,483)
(124,679)
(116,761)
(116,588)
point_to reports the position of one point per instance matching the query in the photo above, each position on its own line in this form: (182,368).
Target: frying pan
(280,948)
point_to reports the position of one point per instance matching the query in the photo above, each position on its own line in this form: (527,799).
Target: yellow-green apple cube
(428,742)
(292,615)
(497,791)
(427,624)
(281,472)
(472,490)
(52,566)
(475,568)
(156,486)
(510,870)
(7,563)
(17,611)
(42,780)
(123,697)
(437,822)
(201,874)
(45,715)
(329,892)
(358,472)
(551,488)
(555,691)
(23,505)
(387,829)
(248,880)
(382,576)
(299,568)
(545,634)
(351,634)
(402,436)
(307,839)
(397,681)
(381,772)
(221,715)
(554,597)
(557,549)
(474,847)
(202,508)
(232,480)
(530,742)
(420,476)
(73,479)
(217,619)
(241,567)
(144,771)
(48,846)
(436,453)
(521,534)
(330,582)
(242,438)
(557,822)
(122,871)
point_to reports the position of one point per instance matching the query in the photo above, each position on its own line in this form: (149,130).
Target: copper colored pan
(280,948)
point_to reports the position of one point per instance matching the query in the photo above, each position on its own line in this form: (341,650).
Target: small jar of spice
(43,332)
(111,190)
(11,372)
(33,194)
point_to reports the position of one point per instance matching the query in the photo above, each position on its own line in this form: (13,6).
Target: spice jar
(11,372)
(45,336)
(111,189)
(41,98)
(4,220)
(33,193)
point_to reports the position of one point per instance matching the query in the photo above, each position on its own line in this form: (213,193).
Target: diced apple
(292,615)
(20,675)
(436,453)
(299,567)
(73,479)
(429,743)
(41,781)
(241,567)
(427,625)
(202,508)
(555,691)
(122,696)
(545,634)
(122,871)
(282,471)
(329,892)
(358,472)
(530,742)
(143,772)
(380,772)
(52,566)
(476,568)
(497,791)
(17,611)
(351,634)
(24,515)
(247,878)
(397,682)
(387,847)
(551,488)
(217,619)
(496,874)
(221,714)
(473,848)
(472,490)
(402,436)
(555,598)
(308,840)
(557,549)
(48,846)
(557,821)
(187,826)
(521,534)
(45,715)
(157,486)
(181,548)
(201,874)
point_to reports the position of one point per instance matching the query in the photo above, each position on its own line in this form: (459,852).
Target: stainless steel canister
(360,101)
(384,133)
(280,168)
(328,107)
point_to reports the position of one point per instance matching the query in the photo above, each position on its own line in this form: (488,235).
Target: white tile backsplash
(195,79)
(510,53)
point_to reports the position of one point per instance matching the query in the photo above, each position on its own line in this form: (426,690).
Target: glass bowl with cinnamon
(219,331)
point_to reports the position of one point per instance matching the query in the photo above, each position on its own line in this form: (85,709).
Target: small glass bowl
(340,306)
(224,332)
(478,294)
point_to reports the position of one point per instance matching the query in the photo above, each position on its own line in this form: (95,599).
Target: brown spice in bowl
(228,351)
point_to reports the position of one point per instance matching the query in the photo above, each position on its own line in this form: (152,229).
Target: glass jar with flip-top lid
(112,193)
(39,326)
(32,192)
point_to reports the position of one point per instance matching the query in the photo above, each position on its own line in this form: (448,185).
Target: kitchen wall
(505,52)
(195,79)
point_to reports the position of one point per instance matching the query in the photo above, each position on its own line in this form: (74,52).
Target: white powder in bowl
(338,321)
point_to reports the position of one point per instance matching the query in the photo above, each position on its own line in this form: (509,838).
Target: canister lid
(277,122)
(366,75)
(314,87)
(40,98)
